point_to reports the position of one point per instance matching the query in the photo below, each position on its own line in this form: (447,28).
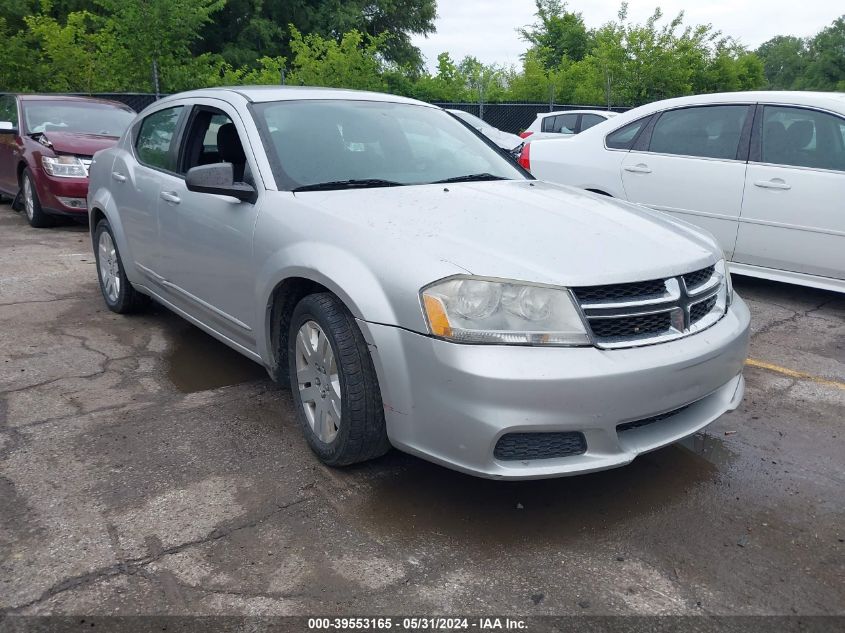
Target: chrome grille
(631,325)
(693,280)
(647,312)
(699,310)
(613,292)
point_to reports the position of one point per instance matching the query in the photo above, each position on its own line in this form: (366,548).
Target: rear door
(137,174)
(691,163)
(793,214)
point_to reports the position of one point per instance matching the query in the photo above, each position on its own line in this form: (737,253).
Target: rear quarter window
(624,137)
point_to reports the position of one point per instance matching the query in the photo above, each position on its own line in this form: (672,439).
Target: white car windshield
(332,144)
(83,117)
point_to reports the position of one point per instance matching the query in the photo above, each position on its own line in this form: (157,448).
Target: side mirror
(218,178)
(7,127)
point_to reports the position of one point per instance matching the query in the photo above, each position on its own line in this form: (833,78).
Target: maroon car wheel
(31,205)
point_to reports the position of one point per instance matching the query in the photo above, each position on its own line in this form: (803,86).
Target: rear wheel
(31,204)
(118,293)
(333,383)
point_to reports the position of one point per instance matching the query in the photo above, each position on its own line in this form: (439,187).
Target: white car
(762,171)
(565,123)
(505,140)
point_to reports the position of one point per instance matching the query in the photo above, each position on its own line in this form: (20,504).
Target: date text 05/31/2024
(417,623)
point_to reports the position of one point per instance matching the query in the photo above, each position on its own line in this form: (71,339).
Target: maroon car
(46,145)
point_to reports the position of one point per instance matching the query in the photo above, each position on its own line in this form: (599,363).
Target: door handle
(774,183)
(118,176)
(170,197)
(642,168)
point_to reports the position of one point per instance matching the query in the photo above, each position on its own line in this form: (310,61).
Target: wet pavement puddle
(197,362)
(409,496)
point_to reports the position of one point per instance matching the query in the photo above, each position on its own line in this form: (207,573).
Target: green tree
(160,33)
(785,60)
(826,69)
(558,34)
(245,30)
(352,62)
(78,56)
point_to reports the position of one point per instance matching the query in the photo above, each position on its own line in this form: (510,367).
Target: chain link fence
(508,117)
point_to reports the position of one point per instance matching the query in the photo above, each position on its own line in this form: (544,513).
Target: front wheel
(118,293)
(31,204)
(334,384)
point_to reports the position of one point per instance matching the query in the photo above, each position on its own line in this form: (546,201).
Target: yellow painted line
(794,374)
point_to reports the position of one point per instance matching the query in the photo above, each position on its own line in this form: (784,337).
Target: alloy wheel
(318,381)
(28,198)
(109,267)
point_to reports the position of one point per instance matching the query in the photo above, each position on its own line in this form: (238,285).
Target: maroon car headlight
(64,166)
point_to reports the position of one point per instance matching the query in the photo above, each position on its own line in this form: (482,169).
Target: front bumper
(51,190)
(450,403)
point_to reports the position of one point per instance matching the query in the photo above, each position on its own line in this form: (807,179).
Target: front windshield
(315,142)
(83,117)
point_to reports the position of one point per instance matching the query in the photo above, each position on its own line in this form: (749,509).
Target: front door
(692,165)
(793,215)
(8,145)
(206,239)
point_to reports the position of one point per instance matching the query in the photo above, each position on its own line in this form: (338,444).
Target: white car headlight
(64,166)
(473,310)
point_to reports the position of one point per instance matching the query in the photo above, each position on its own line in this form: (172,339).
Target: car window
(624,137)
(709,131)
(212,137)
(589,120)
(155,137)
(803,138)
(316,141)
(9,110)
(561,123)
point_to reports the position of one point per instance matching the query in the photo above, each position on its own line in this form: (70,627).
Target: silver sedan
(414,286)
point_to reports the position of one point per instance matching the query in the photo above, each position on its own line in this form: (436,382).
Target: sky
(487,28)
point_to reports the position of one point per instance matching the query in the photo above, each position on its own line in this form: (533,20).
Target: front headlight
(64,166)
(472,310)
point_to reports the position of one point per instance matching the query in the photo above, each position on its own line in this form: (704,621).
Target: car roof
(833,100)
(586,111)
(263,94)
(71,98)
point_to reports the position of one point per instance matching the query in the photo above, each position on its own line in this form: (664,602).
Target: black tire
(361,433)
(32,209)
(126,299)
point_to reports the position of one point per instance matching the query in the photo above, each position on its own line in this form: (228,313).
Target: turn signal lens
(437,319)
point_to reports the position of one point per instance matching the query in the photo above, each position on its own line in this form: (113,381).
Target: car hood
(526,230)
(77,143)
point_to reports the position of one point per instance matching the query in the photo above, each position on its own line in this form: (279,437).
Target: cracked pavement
(147,469)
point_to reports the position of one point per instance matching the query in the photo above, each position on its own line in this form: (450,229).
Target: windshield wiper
(470,178)
(348,184)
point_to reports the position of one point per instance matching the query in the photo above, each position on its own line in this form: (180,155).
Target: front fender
(366,289)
